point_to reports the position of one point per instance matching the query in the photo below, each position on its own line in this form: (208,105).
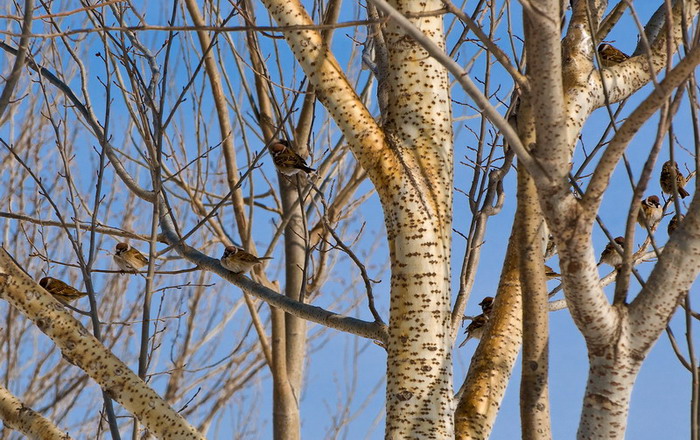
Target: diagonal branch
(465,81)
(336,93)
(16,415)
(13,78)
(618,145)
(83,350)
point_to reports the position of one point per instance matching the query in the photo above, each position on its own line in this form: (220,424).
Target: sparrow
(550,273)
(610,255)
(287,161)
(60,290)
(486,305)
(239,261)
(650,212)
(128,258)
(610,56)
(551,247)
(669,172)
(674,223)
(475,329)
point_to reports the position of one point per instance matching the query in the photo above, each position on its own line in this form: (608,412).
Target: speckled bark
(607,399)
(534,388)
(14,414)
(410,164)
(493,361)
(83,350)
(615,356)
(418,210)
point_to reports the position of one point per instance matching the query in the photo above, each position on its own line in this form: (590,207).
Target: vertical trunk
(419,370)
(606,403)
(410,162)
(493,361)
(295,328)
(534,390)
(417,202)
(285,411)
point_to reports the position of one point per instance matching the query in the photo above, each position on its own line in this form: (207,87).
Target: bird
(239,261)
(550,273)
(287,161)
(610,55)
(674,223)
(650,212)
(60,290)
(551,247)
(128,258)
(475,329)
(486,305)
(610,255)
(670,171)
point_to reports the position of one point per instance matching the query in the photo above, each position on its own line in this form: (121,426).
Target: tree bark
(87,353)
(534,389)
(492,364)
(16,415)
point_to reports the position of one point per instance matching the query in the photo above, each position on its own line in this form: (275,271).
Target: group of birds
(131,260)
(128,259)
(651,211)
(672,182)
(288,162)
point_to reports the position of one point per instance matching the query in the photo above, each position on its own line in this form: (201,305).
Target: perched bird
(475,329)
(60,290)
(486,305)
(650,212)
(674,223)
(551,247)
(239,261)
(287,161)
(669,172)
(128,258)
(550,273)
(610,56)
(610,255)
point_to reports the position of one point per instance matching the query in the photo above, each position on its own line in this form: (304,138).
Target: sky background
(346,373)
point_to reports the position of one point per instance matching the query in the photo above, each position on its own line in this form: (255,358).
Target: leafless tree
(130,122)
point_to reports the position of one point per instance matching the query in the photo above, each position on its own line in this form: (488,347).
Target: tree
(171,120)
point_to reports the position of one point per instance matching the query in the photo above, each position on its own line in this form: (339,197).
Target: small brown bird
(475,329)
(287,161)
(675,222)
(610,56)
(551,247)
(610,255)
(60,290)
(486,305)
(669,172)
(129,259)
(239,261)
(650,212)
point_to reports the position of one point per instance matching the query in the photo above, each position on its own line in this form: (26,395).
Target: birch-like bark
(534,389)
(616,346)
(16,415)
(87,353)
(412,171)
(492,364)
